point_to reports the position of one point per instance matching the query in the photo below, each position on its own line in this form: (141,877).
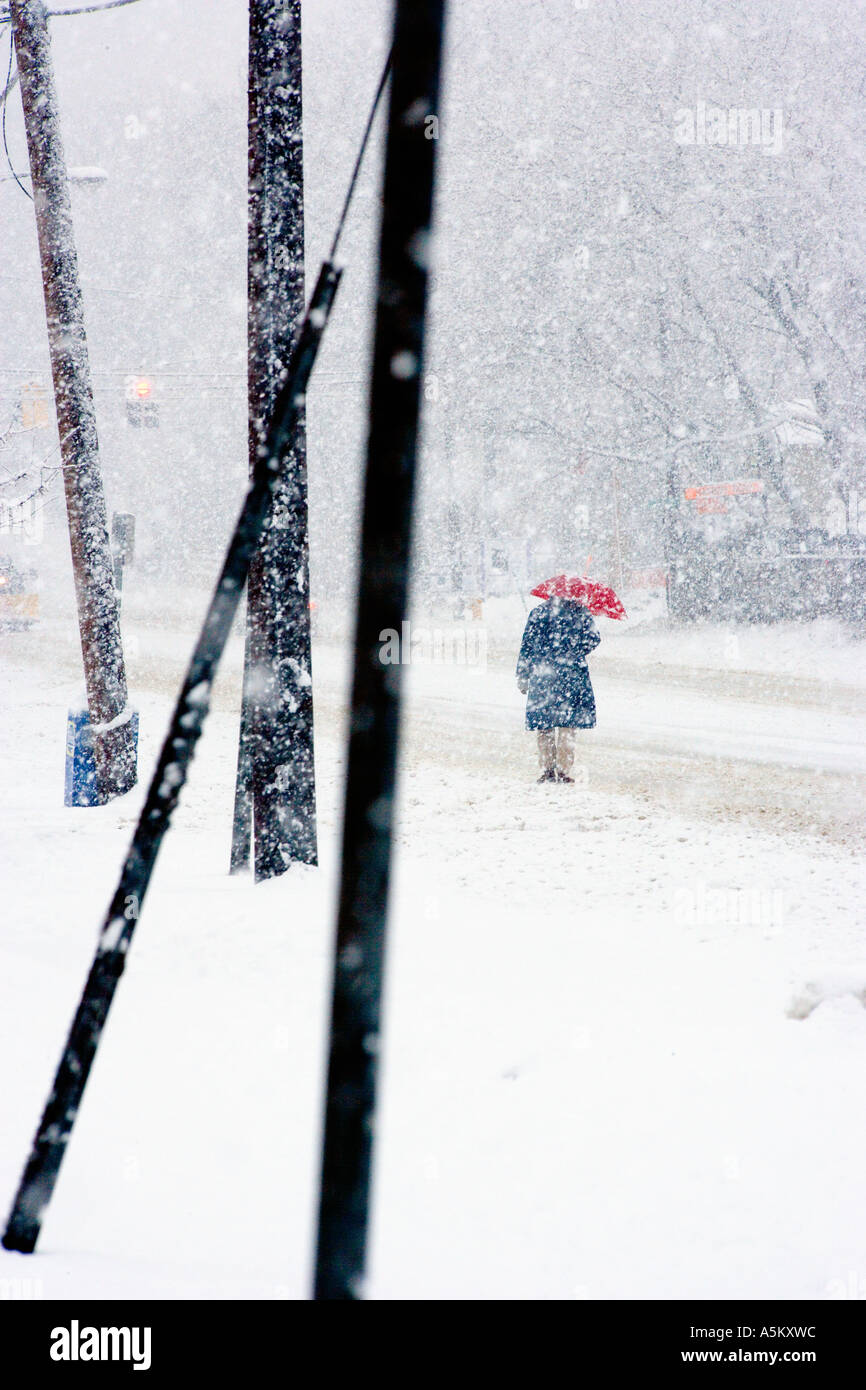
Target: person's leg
(547,749)
(565,751)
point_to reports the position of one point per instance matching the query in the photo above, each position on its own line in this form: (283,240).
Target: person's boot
(548,775)
(564,777)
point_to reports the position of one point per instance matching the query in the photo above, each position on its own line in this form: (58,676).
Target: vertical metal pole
(118,582)
(99,625)
(276,772)
(383,585)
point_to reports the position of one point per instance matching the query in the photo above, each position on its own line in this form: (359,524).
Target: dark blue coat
(559,634)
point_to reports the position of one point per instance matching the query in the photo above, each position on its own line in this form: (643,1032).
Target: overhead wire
(79,9)
(6,91)
(357,169)
(91,9)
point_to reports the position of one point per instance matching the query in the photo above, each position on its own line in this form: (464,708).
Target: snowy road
(799,765)
(664,719)
(779,752)
(625,1036)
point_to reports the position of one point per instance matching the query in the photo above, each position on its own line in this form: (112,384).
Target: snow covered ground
(626,1031)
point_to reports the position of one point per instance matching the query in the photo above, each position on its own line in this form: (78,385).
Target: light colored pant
(556,750)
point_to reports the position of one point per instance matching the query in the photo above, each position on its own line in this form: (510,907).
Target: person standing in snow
(552,674)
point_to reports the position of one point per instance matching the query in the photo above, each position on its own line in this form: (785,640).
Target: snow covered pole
(92,565)
(55,1128)
(276,791)
(383,585)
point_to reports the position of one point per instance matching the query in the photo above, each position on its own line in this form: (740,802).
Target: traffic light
(142,411)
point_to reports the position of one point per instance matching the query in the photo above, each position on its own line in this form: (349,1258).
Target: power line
(358,162)
(81,9)
(6,92)
(11,82)
(92,9)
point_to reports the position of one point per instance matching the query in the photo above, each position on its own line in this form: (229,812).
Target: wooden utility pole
(99,625)
(275,798)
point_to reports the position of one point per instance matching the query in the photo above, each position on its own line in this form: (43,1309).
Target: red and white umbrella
(598,598)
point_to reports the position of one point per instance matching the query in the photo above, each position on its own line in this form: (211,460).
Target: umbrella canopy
(596,597)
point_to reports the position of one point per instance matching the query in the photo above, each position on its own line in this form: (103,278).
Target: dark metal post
(383,584)
(276,773)
(92,566)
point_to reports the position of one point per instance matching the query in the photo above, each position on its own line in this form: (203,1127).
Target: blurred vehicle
(734,556)
(19,596)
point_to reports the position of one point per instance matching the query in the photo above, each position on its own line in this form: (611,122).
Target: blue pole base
(80,786)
